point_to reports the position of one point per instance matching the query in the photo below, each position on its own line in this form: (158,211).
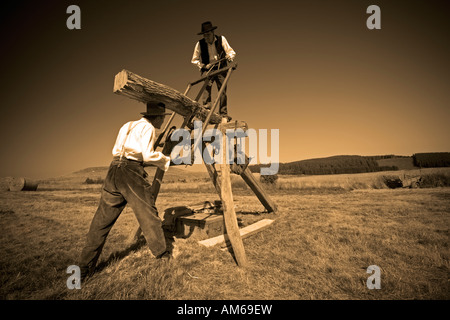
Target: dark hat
(155,109)
(206,27)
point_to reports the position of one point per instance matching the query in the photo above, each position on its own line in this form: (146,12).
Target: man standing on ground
(125,183)
(207,51)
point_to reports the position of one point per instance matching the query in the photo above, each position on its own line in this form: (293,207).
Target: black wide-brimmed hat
(155,109)
(206,27)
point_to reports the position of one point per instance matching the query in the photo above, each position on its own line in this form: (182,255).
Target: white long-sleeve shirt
(138,145)
(213,56)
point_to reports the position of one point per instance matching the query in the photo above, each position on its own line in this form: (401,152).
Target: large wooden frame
(144,90)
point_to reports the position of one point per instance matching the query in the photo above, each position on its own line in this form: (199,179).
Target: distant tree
(431,160)
(331,165)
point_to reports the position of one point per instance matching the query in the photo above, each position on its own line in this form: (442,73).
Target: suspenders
(122,152)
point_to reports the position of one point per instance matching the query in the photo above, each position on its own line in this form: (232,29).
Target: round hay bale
(22,184)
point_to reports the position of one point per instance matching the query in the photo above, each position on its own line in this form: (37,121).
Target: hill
(174,174)
(402,163)
(334,165)
(343,164)
(432,159)
(92,177)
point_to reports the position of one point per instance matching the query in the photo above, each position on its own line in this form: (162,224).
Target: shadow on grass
(135,246)
(118,255)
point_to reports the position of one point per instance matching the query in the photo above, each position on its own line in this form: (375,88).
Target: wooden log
(23,184)
(229,213)
(263,197)
(133,86)
(245,232)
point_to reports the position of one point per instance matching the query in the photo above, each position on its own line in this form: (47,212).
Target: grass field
(327,231)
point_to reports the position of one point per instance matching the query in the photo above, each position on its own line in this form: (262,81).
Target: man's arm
(196,57)
(149,155)
(230,53)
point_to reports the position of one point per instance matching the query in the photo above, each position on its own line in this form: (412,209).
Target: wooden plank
(244,233)
(131,85)
(229,213)
(263,197)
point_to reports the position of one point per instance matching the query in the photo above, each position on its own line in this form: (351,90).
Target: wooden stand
(229,214)
(141,89)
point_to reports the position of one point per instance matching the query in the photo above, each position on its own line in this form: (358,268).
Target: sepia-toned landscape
(353,95)
(328,230)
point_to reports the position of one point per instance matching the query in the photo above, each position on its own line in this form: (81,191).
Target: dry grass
(348,182)
(319,247)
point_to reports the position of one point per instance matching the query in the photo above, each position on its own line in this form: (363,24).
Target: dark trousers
(206,96)
(124,183)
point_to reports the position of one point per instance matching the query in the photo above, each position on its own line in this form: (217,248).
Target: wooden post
(251,181)
(214,178)
(229,213)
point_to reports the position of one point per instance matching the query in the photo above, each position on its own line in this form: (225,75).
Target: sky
(311,69)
